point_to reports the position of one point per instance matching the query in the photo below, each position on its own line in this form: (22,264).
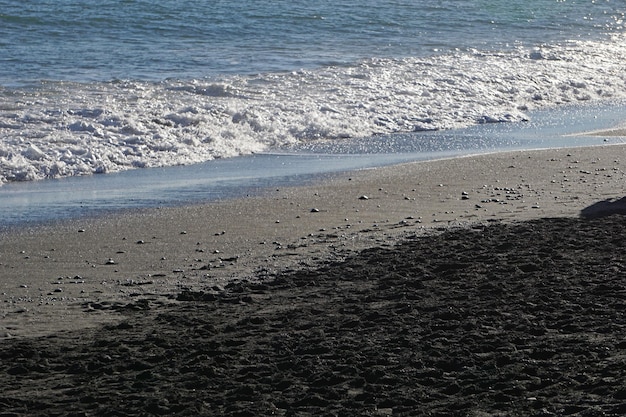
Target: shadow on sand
(519,319)
(604,208)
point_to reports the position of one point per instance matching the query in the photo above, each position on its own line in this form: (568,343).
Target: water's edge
(46,201)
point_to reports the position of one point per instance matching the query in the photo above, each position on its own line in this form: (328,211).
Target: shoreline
(616,132)
(82,273)
(94,195)
(437,296)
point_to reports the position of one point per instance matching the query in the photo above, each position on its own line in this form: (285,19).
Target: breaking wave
(57,129)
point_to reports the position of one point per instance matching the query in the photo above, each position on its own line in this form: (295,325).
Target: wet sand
(467,286)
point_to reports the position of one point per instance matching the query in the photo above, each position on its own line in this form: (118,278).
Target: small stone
(315,210)
(140,242)
(183,232)
(364,197)
(110,261)
(81,230)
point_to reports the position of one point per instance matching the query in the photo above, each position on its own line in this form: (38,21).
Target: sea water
(104,86)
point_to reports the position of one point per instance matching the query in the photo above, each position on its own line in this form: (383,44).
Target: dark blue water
(88,40)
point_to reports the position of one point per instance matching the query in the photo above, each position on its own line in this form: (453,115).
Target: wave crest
(62,129)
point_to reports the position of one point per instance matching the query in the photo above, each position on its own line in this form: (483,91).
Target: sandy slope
(79,273)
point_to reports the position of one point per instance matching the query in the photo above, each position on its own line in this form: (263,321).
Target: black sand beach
(522,319)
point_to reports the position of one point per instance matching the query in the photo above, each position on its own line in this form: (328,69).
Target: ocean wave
(62,129)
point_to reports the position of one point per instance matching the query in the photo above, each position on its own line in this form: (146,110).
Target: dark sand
(467,287)
(521,319)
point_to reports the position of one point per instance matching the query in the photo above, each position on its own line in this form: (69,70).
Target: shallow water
(100,87)
(50,200)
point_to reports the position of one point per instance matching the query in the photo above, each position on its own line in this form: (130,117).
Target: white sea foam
(62,129)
